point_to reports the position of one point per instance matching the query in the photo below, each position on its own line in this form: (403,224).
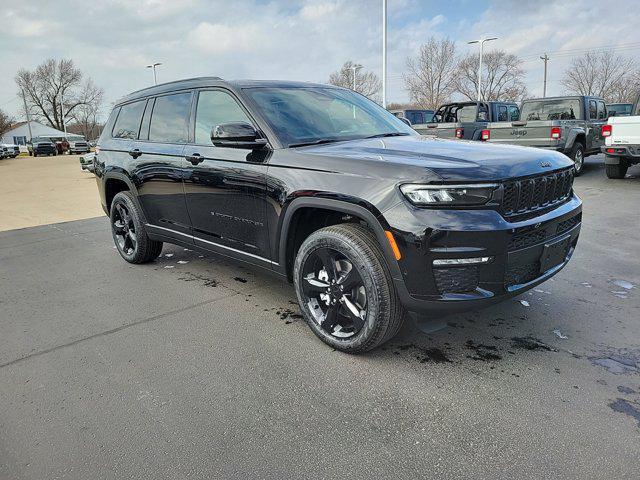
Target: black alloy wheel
(334,292)
(124,230)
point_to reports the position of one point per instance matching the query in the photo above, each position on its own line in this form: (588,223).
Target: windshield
(560,109)
(305,115)
(620,108)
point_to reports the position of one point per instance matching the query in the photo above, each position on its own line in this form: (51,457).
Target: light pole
(384,53)
(355,69)
(545,59)
(155,78)
(481,42)
(64,124)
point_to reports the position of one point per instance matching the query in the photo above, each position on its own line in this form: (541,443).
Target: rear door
(225,187)
(594,135)
(159,164)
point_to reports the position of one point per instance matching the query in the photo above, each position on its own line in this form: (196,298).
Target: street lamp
(481,42)
(355,69)
(155,78)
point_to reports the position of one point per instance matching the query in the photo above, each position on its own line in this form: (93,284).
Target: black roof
(212,82)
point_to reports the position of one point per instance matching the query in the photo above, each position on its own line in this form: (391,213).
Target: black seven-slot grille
(526,239)
(522,196)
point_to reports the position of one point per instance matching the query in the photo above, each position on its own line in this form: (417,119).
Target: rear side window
(602,111)
(502,113)
(593,110)
(216,107)
(128,122)
(551,109)
(170,119)
(514,113)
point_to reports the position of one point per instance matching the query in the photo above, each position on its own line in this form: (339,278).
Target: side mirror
(237,135)
(405,120)
(612,113)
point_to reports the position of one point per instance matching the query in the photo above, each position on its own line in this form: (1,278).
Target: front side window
(214,108)
(170,119)
(558,109)
(128,122)
(301,115)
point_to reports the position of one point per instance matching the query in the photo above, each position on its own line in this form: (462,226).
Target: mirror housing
(237,135)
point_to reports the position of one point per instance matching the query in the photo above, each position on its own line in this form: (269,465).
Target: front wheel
(577,155)
(129,232)
(345,290)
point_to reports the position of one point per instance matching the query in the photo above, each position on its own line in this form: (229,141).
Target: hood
(451,160)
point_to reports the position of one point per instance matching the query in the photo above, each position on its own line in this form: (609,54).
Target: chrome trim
(192,237)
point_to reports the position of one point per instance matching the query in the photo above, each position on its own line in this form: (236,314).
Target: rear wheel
(345,290)
(616,171)
(577,155)
(129,232)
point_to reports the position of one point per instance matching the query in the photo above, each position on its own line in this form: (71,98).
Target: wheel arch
(576,135)
(288,242)
(116,182)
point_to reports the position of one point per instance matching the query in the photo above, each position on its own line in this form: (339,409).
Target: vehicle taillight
(606,130)
(459,132)
(611,150)
(485,135)
(556,132)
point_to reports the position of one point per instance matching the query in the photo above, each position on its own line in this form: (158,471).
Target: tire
(370,291)
(616,171)
(577,155)
(129,233)
(35,154)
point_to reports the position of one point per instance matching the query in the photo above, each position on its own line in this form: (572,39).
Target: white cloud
(314,11)
(218,38)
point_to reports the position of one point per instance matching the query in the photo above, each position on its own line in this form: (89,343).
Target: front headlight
(443,195)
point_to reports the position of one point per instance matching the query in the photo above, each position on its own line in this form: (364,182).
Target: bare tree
(6,122)
(86,113)
(602,74)
(502,77)
(366,83)
(431,76)
(52,83)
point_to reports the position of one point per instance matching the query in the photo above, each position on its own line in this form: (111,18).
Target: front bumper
(522,254)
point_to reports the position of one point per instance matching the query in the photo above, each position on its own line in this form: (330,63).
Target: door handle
(194,158)
(135,153)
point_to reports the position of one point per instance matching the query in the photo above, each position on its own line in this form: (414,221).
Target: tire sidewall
(375,307)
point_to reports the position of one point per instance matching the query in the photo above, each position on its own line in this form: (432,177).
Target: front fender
(355,207)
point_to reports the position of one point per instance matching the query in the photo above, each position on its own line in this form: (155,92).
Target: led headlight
(455,195)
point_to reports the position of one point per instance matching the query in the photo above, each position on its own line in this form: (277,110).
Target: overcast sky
(113,41)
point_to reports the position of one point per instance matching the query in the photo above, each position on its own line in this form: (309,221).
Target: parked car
(619,109)
(325,188)
(414,116)
(467,120)
(9,150)
(79,145)
(86,161)
(622,143)
(570,125)
(43,147)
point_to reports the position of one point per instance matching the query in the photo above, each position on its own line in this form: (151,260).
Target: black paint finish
(241,203)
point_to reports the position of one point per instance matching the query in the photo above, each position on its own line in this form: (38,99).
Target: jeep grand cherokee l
(322,186)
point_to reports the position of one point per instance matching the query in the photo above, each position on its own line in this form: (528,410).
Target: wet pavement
(194,367)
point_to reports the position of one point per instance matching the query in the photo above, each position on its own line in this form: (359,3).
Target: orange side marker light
(394,246)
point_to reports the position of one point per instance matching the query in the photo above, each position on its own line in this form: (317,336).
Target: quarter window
(514,113)
(593,110)
(216,107)
(128,122)
(602,111)
(170,119)
(502,113)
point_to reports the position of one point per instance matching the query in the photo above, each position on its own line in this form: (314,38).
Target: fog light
(440,262)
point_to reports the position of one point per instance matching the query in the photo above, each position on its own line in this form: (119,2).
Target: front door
(225,187)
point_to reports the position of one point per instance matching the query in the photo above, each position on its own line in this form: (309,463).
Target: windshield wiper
(316,142)
(389,134)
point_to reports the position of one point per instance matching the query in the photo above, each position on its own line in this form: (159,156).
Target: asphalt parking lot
(193,367)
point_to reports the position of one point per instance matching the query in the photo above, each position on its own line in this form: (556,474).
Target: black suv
(324,187)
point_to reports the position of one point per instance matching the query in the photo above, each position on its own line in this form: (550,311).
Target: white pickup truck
(622,143)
